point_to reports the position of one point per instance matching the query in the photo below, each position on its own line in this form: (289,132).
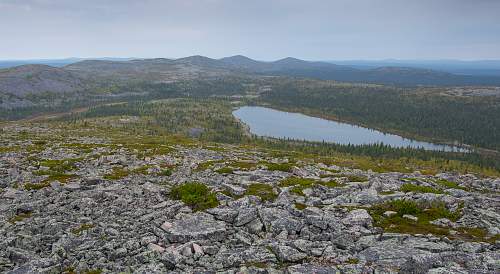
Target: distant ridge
(163,69)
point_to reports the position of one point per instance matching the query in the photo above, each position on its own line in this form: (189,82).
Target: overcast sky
(261,29)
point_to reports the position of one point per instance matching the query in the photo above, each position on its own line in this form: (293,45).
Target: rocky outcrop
(129,223)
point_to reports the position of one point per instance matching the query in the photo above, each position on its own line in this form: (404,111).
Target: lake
(279,124)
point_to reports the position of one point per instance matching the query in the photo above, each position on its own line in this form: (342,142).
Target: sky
(260,29)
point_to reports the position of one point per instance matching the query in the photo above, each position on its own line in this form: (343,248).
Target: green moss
(299,184)
(117,174)
(38,186)
(330,184)
(256,264)
(142,170)
(296,181)
(300,206)
(264,191)
(353,261)
(4,149)
(224,170)
(60,166)
(243,165)
(20,217)
(93,271)
(357,178)
(286,167)
(206,165)
(81,228)
(419,189)
(449,184)
(196,195)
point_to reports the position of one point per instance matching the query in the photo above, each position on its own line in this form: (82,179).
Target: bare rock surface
(113,212)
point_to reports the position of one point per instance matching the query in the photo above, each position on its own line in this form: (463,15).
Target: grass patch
(38,186)
(243,165)
(353,261)
(225,170)
(82,228)
(264,191)
(300,206)
(419,189)
(196,195)
(60,166)
(117,174)
(55,176)
(94,271)
(357,178)
(424,212)
(20,217)
(299,184)
(206,165)
(9,149)
(449,184)
(285,167)
(142,170)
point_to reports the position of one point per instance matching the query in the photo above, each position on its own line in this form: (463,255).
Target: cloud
(264,29)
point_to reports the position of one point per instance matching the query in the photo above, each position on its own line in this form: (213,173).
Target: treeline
(206,119)
(380,151)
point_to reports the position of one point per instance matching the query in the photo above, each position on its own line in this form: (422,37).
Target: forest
(213,117)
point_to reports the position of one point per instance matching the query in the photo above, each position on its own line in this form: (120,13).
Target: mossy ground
(425,212)
(299,184)
(264,191)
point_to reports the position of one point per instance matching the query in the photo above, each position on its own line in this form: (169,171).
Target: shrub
(264,191)
(165,172)
(196,195)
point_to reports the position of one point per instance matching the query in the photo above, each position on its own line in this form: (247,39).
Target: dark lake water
(279,124)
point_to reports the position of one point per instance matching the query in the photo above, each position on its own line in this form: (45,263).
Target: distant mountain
(156,70)
(406,76)
(33,79)
(38,78)
(53,62)
(472,68)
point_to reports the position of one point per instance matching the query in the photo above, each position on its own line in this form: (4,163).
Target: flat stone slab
(199,226)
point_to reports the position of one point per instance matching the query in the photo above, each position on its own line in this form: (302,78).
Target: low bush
(196,195)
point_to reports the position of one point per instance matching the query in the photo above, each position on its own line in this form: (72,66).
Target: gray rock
(358,217)
(288,254)
(245,216)
(198,226)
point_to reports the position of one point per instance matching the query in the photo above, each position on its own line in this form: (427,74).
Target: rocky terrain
(77,203)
